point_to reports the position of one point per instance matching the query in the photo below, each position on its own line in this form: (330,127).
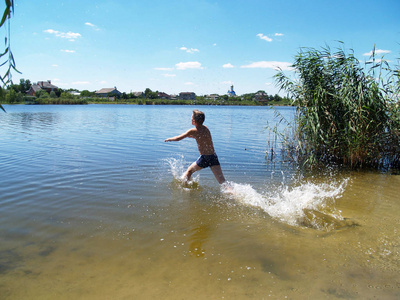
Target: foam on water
(306,203)
(292,205)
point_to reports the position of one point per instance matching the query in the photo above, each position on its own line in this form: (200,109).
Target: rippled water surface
(91,207)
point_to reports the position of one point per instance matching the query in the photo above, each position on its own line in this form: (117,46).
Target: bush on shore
(346,114)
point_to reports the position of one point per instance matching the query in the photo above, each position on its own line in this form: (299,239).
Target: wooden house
(105,92)
(187,96)
(42,85)
(163,95)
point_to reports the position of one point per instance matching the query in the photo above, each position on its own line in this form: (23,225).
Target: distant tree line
(265,97)
(18,94)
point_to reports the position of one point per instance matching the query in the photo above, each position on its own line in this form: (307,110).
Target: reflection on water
(40,121)
(92,207)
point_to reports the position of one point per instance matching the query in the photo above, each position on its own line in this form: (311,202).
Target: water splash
(178,168)
(308,204)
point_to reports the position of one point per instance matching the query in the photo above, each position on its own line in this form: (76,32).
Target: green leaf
(5,15)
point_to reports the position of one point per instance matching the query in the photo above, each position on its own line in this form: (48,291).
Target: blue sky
(200,46)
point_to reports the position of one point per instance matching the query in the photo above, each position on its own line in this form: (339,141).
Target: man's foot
(227,188)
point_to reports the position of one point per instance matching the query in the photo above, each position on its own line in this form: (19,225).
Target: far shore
(144,101)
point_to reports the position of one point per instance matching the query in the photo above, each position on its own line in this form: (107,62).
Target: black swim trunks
(205,161)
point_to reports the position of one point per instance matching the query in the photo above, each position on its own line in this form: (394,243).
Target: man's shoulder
(191,132)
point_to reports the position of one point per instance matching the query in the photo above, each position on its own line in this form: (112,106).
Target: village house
(187,96)
(212,97)
(261,96)
(163,95)
(42,85)
(105,92)
(138,94)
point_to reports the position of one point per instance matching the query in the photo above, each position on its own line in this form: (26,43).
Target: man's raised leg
(193,168)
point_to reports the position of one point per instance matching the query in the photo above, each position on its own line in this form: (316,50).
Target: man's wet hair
(198,116)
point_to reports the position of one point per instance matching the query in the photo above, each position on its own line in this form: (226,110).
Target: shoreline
(158,102)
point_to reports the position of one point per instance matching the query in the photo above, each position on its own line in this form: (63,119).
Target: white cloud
(377,51)
(92,25)
(269,64)
(163,69)
(169,75)
(228,66)
(268,83)
(68,51)
(188,65)
(191,50)
(278,34)
(65,35)
(51,31)
(264,37)
(227,82)
(55,66)
(189,83)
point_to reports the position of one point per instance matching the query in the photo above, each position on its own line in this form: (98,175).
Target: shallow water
(91,207)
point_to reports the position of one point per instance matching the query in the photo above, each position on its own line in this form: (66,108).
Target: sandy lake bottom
(91,207)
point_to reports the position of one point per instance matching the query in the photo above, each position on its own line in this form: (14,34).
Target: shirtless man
(207,158)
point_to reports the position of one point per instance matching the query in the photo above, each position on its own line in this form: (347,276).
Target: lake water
(91,207)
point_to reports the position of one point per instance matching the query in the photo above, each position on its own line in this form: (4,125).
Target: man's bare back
(202,135)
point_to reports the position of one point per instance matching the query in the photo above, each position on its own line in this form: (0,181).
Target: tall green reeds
(347,113)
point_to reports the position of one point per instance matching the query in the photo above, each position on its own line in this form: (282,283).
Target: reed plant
(347,112)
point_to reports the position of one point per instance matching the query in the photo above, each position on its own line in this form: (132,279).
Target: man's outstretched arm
(186,134)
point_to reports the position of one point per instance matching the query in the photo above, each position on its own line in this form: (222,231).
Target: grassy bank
(198,101)
(144,101)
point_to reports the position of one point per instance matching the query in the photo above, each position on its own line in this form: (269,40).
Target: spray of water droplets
(288,204)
